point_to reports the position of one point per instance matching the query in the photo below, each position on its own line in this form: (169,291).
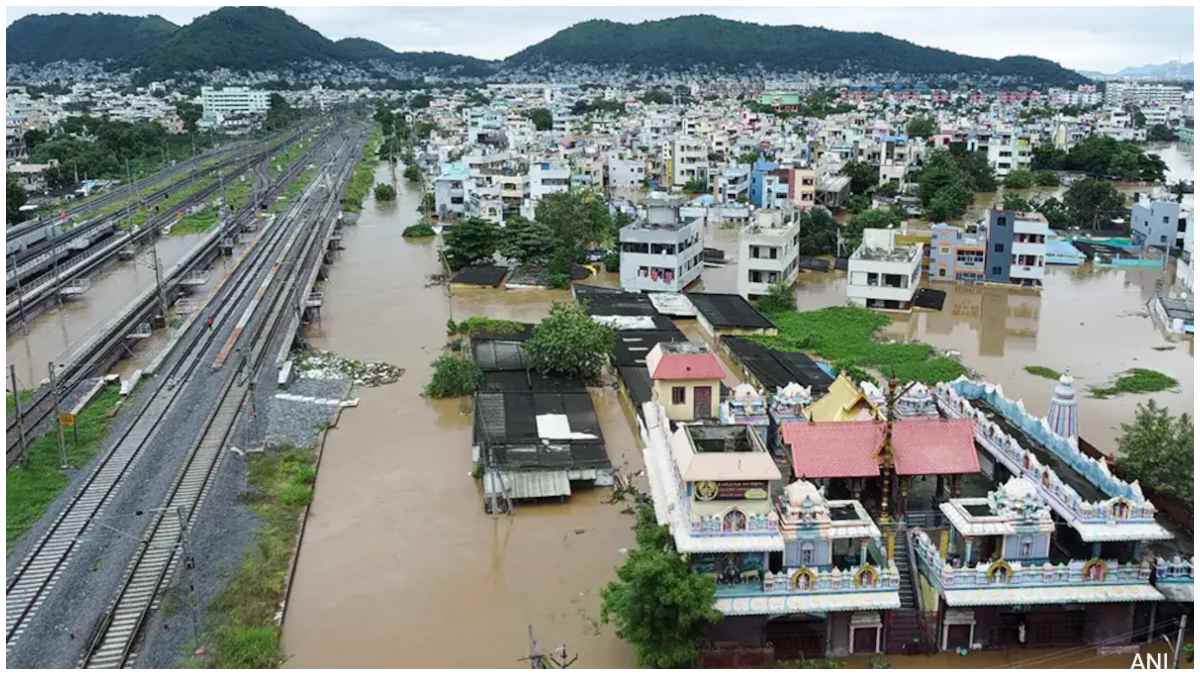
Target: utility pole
(162,301)
(12,374)
(62,445)
(1178,642)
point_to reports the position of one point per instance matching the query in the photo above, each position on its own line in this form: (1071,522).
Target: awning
(528,484)
(1051,595)
(807,602)
(1121,531)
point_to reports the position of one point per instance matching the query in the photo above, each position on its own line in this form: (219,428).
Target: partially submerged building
(662,251)
(883,274)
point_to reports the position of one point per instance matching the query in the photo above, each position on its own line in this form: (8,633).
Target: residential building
(686,380)
(1016,247)
(548,178)
(1142,93)
(957,254)
(1161,223)
(449,190)
(768,251)
(689,161)
(626,173)
(661,251)
(883,274)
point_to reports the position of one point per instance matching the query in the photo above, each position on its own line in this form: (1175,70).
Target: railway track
(50,251)
(165,544)
(39,406)
(35,577)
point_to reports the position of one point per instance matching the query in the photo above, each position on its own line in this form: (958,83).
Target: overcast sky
(1102,38)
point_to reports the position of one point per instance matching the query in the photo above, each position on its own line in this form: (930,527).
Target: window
(996,270)
(998,248)
(678,395)
(1001,220)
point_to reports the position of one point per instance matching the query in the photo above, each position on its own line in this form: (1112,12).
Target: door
(864,639)
(702,402)
(958,635)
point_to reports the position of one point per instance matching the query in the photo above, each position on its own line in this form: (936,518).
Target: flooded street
(400,566)
(58,330)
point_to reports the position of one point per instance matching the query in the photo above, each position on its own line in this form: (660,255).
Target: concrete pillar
(1095,549)
(955,485)
(944,543)
(891,545)
(967,555)
(937,493)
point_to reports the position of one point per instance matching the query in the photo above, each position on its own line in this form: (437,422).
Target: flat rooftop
(729,310)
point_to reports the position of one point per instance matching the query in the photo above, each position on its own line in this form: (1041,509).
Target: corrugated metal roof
(807,602)
(528,484)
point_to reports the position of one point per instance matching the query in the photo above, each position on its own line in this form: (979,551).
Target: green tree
(1019,179)
(279,112)
(695,186)
(473,240)
(1046,178)
(948,203)
(1160,133)
(748,157)
(658,604)
(420,101)
(818,232)
(412,173)
(33,138)
(542,119)
(453,375)
(526,241)
(1055,212)
(569,342)
(384,192)
(779,298)
(1091,203)
(871,219)
(921,127)
(1157,450)
(14,198)
(863,176)
(1017,203)
(189,113)
(575,219)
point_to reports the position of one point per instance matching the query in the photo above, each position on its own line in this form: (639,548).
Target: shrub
(418,230)
(384,193)
(453,376)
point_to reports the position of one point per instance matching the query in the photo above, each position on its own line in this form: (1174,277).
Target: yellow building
(845,402)
(687,380)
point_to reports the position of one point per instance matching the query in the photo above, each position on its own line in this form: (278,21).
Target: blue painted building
(758,177)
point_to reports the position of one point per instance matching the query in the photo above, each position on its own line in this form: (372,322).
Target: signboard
(66,419)
(732,489)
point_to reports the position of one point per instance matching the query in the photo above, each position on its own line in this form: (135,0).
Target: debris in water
(323,365)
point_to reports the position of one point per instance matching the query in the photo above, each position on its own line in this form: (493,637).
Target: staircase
(905,626)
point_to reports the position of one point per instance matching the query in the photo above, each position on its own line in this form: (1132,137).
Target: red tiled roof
(834,449)
(688,367)
(934,446)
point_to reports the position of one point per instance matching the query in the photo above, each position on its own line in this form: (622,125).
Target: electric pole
(62,444)
(162,301)
(16,394)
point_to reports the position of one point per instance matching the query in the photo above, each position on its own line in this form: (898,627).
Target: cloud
(1099,38)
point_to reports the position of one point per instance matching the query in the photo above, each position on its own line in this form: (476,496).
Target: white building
(449,190)
(1008,150)
(883,274)
(768,251)
(1030,230)
(661,252)
(625,173)
(1140,93)
(689,161)
(548,178)
(220,103)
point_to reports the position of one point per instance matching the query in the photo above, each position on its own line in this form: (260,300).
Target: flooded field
(58,330)
(400,565)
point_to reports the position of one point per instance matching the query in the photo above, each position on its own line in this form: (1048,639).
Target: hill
(44,38)
(687,41)
(1171,70)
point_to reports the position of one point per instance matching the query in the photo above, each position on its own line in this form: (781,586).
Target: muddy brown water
(401,567)
(62,328)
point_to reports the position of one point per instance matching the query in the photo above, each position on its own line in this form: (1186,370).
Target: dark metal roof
(613,302)
(728,310)
(775,368)
(480,275)
(632,346)
(492,355)
(930,299)
(506,427)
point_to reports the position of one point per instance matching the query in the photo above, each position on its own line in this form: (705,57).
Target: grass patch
(1136,381)
(195,223)
(363,178)
(453,376)
(482,325)
(37,483)
(848,338)
(1043,371)
(243,632)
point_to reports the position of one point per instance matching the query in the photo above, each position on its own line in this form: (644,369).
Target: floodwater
(400,566)
(58,330)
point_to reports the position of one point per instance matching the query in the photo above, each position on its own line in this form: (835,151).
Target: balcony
(805,589)
(1005,582)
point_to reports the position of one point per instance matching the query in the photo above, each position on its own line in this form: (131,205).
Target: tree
(1157,450)
(1157,133)
(471,241)
(412,173)
(749,157)
(871,219)
(569,342)
(1019,179)
(948,203)
(542,119)
(921,127)
(1055,212)
(575,219)
(34,138)
(189,113)
(1046,178)
(453,375)
(14,199)
(526,241)
(1017,203)
(420,101)
(863,176)
(818,233)
(779,298)
(695,186)
(658,603)
(384,192)
(1091,203)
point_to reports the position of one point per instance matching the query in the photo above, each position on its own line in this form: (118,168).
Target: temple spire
(1063,416)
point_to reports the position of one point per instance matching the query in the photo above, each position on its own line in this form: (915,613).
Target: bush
(453,376)
(418,230)
(1019,179)
(612,262)
(779,298)
(570,342)
(412,173)
(1046,178)
(384,193)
